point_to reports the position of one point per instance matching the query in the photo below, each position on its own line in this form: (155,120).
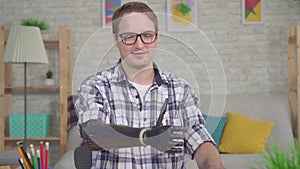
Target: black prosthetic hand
(165,138)
(88,141)
(98,135)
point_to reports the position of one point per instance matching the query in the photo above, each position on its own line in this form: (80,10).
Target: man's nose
(139,43)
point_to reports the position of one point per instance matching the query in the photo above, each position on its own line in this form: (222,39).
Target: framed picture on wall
(182,15)
(252,11)
(108,9)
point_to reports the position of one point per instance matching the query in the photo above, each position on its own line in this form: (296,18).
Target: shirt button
(137,96)
(145,119)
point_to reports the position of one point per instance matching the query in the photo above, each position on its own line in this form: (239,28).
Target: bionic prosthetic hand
(98,134)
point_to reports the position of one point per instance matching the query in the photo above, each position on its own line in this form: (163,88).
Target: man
(138,115)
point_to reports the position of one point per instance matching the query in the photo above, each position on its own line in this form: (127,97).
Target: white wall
(254,56)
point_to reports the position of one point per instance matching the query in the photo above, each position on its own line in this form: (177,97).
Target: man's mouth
(139,53)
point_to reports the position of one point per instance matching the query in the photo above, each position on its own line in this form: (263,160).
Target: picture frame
(108,9)
(182,15)
(252,11)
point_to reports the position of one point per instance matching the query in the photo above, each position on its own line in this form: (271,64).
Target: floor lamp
(25,45)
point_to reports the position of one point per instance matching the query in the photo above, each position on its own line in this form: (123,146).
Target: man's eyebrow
(136,33)
(127,33)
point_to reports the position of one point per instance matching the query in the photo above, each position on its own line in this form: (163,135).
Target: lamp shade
(25,45)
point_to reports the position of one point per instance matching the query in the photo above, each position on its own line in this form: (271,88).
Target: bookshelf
(63,89)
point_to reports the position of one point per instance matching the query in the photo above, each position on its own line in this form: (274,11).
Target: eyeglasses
(146,37)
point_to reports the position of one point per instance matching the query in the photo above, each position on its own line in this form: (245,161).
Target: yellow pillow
(243,135)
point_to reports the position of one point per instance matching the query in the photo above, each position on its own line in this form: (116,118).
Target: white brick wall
(254,57)
(250,54)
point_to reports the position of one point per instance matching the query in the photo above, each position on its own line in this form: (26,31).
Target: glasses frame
(138,35)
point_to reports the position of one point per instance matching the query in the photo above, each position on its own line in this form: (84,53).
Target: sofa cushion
(74,138)
(215,126)
(244,135)
(66,161)
(240,161)
(72,115)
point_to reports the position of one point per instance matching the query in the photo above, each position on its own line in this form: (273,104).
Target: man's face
(139,54)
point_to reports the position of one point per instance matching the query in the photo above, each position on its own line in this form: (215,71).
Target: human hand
(165,138)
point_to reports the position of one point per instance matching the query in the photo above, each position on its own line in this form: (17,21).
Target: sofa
(267,107)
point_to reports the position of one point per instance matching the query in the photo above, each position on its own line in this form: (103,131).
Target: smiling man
(139,115)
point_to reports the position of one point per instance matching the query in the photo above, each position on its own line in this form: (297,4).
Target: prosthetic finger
(179,143)
(174,150)
(177,136)
(178,129)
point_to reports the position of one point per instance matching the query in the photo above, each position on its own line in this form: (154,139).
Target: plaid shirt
(110,97)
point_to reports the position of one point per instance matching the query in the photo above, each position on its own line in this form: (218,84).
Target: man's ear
(116,40)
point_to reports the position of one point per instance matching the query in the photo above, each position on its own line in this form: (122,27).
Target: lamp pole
(25,106)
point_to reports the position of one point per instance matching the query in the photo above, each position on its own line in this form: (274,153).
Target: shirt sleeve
(91,103)
(196,133)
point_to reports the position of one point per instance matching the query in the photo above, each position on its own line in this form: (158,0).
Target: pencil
(46,154)
(42,154)
(21,163)
(24,156)
(30,161)
(38,158)
(33,157)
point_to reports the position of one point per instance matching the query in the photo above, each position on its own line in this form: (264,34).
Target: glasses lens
(128,38)
(148,37)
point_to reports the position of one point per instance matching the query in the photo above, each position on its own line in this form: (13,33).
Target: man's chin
(141,65)
(137,62)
